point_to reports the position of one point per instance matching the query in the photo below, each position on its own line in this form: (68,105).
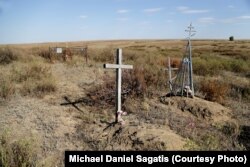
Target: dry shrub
(67,54)
(45,86)
(214,90)
(151,73)
(231,128)
(244,136)
(144,81)
(47,55)
(163,62)
(131,105)
(175,63)
(135,81)
(139,83)
(240,91)
(7,55)
(6,87)
(20,153)
(10,54)
(101,96)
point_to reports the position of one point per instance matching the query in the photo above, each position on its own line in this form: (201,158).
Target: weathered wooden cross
(170,69)
(118,66)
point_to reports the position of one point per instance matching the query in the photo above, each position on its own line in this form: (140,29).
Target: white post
(118,66)
(170,75)
(118,81)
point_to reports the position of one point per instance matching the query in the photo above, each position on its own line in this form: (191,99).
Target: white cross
(118,66)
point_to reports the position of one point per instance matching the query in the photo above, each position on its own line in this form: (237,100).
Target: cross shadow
(73,103)
(88,102)
(109,124)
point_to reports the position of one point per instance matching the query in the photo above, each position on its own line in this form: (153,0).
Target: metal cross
(118,66)
(191,32)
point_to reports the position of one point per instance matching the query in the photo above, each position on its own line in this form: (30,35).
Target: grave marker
(184,80)
(59,50)
(118,66)
(170,79)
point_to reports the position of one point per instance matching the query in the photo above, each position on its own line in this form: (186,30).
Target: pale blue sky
(28,21)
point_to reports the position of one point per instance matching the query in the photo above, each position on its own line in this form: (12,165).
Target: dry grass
(77,60)
(38,88)
(7,89)
(102,55)
(210,65)
(33,70)
(47,55)
(148,78)
(203,136)
(18,153)
(28,75)
(7,55)
(35,78)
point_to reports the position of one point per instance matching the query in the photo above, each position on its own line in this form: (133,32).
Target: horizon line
(109,40)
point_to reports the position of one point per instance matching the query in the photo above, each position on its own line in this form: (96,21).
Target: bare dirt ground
(58,128)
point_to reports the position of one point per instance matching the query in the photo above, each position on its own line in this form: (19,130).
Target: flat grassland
(48,105)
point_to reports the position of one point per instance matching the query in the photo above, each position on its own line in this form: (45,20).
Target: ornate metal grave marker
(184,80)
